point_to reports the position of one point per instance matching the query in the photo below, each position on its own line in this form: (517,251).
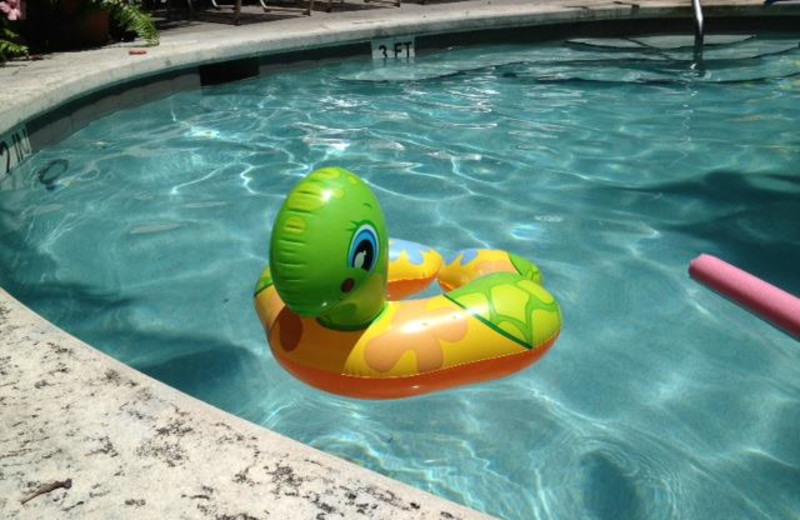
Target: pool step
(649,59)
(670,42)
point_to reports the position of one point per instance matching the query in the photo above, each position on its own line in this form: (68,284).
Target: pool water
(611,163)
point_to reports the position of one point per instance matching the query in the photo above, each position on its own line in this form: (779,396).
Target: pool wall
(134,447)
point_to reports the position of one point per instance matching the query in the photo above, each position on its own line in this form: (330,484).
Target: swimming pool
(611,164)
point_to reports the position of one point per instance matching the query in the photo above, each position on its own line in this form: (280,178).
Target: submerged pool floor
(612,163)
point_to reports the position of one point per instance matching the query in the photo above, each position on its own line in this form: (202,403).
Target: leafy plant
(10,45)
(131,17)
(51,25)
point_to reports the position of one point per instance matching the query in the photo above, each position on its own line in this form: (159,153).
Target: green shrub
(131,17)
(10,46)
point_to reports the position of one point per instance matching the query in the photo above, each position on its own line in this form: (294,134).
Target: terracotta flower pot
(83,25)
(91,29)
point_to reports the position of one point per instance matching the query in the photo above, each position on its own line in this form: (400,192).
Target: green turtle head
(329,250)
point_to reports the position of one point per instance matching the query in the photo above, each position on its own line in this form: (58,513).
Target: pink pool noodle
(754,294)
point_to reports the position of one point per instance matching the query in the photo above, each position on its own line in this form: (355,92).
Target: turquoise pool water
(611,163)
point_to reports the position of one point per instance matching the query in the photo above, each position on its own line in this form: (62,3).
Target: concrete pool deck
(133,447)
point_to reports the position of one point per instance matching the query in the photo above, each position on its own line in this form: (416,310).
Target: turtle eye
(363,248)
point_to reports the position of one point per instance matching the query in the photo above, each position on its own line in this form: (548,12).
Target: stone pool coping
(134,447)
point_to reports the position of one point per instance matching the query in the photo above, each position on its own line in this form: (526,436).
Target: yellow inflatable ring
(331,325)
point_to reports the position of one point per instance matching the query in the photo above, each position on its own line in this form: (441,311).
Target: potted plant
(76,24)
(83,24)
(91,20)
(130,16)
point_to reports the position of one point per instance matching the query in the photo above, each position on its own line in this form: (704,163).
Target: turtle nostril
(348,285)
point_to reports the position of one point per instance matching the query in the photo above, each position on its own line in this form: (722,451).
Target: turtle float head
(329,250)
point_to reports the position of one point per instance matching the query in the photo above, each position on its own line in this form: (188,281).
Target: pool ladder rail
(699,32)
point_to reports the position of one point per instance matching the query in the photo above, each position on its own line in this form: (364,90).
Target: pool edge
(133,446)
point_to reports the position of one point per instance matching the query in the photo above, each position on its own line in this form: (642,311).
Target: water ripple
(610,163)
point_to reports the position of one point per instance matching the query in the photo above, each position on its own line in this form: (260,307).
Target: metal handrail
(698,27)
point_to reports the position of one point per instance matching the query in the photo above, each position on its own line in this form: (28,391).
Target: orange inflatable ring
(323,301)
